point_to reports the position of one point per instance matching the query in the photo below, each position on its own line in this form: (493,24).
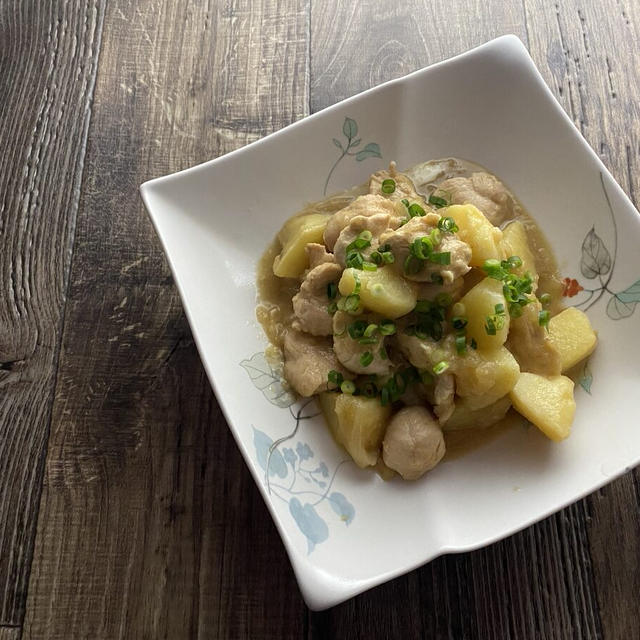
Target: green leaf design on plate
(350,128)
(338,143)
(268,381)
(623,304)
(372,150)
(355,143)
(586,378)
(596,259)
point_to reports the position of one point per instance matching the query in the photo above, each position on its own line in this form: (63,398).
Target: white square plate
(345,529)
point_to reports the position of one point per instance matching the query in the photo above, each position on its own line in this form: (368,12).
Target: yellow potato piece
(547,402)
(357,423)
(474,229)
(464,417)
(514,243)
(483,377)
(571,333)
(480,302)
(294,237)
(382,291)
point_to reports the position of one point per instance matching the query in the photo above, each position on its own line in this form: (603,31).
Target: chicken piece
(368,205)
(317,255)
(376,224)
(443,396)
(485,192)
(310,304)
(413,443)
(404,185)
(308,361)
(401,240)
(350,352)
(530,344)
(425,354)
(429,290)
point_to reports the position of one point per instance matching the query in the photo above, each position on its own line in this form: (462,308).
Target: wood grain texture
(599,87)
(150,524)
(10,633)
(48,62)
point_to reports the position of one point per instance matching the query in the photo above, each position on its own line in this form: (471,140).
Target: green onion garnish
(493,269)
(443,257)
(490,326)
(332,290)
(443,299)
(459,322)
(335,377)
(441,367)
(387,257)
(543,318)
(352,303)
(388,186)
(545,299)
(514,262)
(369,266)
(332,308)
(366,358)
(354,260)
(387,328)
(347,386)
(356,329)
(437,201)
(370,330)
(415,210)
(448,224)
(461,344)
(383,353)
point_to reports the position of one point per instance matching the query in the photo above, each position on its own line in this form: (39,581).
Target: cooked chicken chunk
(413,443)
(368,205)
(530,345)
(376,224)
(311,302)
(429,290)
(308,361)
(352,353)
(482,190)
(401,240)
(318,255)
(403,185)
(425,354)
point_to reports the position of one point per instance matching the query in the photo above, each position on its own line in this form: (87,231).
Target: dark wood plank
(150,524)
(599,86)
(541,582)
(10,633)
(48,57)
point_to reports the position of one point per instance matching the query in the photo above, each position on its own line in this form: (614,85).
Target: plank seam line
(75,204)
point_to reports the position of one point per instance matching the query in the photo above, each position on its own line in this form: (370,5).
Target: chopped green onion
(369,266)
(335,377)
(490,326)
(405,202)
(499,309)
(332,290)
(441,367)
(354,260)
(366,358)
(384,396)
(437,201)
(545,299)
(383,353)
(514,262)
(387,328)
(370,330)
(493,269)
(412,265)
(458,309)
(543,318)
(459,322)
(443,300)
(352,303)
(376,258)
(370,340)
(356,288)
(388,186)
(365,235)
(347,386)
(435,236)
(443,257)
(415,210)
(448,224)
(332,308)
(387,257)
(461,344)
(356,329)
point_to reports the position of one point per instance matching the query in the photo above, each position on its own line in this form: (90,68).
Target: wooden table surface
(126,510)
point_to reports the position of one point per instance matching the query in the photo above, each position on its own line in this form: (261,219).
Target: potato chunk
(357,423)
(571,333)
(480,302)
(547,402)
(383,291)
(294,237)
(482,377)
(464,417)
(474,229)
(514,243)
